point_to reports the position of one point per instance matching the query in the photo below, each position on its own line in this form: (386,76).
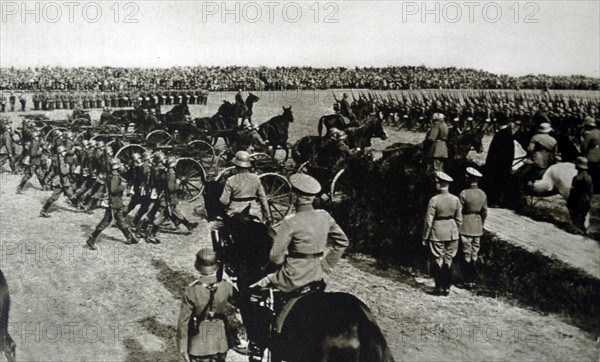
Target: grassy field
(121,302)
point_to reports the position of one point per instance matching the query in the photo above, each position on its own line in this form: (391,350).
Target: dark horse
(177,114)
(250,100)
(360,137)
(320,326)
(275,130)
(333,120)
(7,344)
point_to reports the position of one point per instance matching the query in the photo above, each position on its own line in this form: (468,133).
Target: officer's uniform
(7,149)
(307,244)
(145,191)
(474,211)
(203,332)
(441,230)
(436,147)
(243,189)
(115,186)
(543,149)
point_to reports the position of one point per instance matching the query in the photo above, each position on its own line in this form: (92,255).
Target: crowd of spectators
(109,79)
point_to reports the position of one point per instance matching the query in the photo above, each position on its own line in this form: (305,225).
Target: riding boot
(148,232)
(154,232)
(140,228)
(446,279)
(473,272)
(435,272)
(466,272)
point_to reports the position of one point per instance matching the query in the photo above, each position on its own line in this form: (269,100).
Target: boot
(44,212)
(446,279)
(189,225)
(91,241)
(140,228)
(131,239)
(435,272)
(473,279)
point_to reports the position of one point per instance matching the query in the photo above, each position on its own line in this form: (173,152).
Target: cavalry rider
(243,189)
(115,187)
(345,109)
(301,240)
(337,147)
(441,232)
(435,146)
(60,182)
(543,153)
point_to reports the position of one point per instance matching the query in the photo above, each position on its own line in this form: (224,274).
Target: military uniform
(435,142)
(580,196)
(243,189)
(590,149)
(60,182)
(203,332)
(474,211)
(7,149)
(441,230)
(34,166)
(115,186)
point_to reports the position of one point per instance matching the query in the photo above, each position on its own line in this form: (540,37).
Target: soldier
(498,165)
(87,164)
(100,168)
(72,100)
(12,99)
(442,220)
(60,181)
(23,101)
(33,165)
(474,211)
(435,146)
(203,333)
(243,189)
(8,148)
(3,103)
(302,251)
(168,185)
(345,109)
(36,101)
(590,149)
(115,185)
(136,174)
(580,197)
(543,151)
(50,101)
(145,192)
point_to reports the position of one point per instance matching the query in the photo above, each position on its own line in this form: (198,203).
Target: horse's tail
(374,347)
(320,127)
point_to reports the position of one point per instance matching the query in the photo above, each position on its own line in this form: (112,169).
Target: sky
(506,37)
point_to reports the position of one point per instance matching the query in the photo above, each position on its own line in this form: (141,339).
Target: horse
(177,113)
(320,326)
(7,344)
(275,130)
(557,179)
(250,100)
(334,120)
(360,137)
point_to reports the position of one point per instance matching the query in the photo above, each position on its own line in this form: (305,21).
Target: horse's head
(252,99)
(287,114)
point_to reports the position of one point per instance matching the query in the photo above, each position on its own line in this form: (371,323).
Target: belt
(472,212)
(443,218)
(297,255)
(242,199)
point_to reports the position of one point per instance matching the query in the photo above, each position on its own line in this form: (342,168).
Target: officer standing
(580,197)
(115,185)
(435,146)
(203,333)
(12,99)
(300,245)
(474,211)
(442,220)
(23,101)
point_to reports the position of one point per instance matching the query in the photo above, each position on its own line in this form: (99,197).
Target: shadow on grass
(167,333)
(174,281)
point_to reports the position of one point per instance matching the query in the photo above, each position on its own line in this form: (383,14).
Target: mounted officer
(543,153)
(346,109)
(301,242)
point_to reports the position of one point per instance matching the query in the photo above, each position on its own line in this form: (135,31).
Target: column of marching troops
(48,101)
(87,173)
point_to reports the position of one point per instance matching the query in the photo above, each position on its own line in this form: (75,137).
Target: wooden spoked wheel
(279,195)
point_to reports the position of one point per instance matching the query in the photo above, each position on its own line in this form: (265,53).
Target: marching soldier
(8,148)
(203,333)
(474,211)
(435,146)
(115,186)
(168,186)
(33,165)
(60,182)
(136,174)
(87,167)
(145,192)
(442,220)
